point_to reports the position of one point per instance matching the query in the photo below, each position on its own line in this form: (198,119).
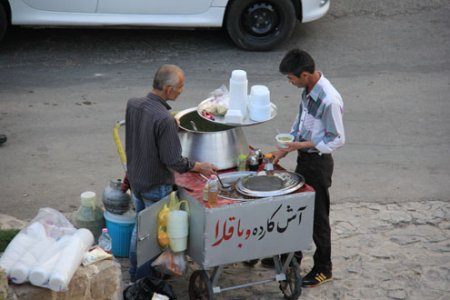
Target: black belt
(312,154)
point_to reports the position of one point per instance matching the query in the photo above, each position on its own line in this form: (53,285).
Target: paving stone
(380,251)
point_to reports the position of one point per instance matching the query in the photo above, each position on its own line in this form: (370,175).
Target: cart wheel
(200,287)
(292,286)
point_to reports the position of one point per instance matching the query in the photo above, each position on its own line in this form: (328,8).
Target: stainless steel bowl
(210,142)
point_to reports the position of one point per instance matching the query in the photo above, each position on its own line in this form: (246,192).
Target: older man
(153,148)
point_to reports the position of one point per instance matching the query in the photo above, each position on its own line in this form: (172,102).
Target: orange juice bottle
(213,190)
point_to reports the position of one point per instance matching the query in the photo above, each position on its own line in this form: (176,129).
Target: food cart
(236,230)
(241,226)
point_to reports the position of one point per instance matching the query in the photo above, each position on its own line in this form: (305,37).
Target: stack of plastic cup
(259,108)
(237,109)
(178,230)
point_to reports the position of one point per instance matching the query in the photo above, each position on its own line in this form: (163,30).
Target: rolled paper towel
(20,270)
(54,249)
(15,250)
(36,230)
(70,259)
(40,273)
(85,237)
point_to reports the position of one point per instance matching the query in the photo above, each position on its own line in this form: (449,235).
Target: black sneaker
(316,277)
(3,138)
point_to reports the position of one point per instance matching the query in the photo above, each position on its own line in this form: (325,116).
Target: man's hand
(279,154)
(205,168)
(125,186)
(291,146)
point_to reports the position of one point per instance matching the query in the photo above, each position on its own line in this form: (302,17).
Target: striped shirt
(320,118)
(153,147)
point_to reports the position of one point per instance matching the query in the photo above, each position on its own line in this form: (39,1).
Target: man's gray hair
(167,75)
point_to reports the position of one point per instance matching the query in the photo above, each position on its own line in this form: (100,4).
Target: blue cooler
(120,228)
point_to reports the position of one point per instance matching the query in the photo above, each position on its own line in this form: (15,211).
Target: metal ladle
(194,126)
(225,186)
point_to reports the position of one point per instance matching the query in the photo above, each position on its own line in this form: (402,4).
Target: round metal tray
(291,182)
(221,119)
(232,178)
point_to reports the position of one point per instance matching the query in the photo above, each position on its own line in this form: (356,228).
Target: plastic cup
(177,224)
(283,138)
(178,244)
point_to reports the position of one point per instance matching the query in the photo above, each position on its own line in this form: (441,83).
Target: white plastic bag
(218,106)
(171,263)
(50,247)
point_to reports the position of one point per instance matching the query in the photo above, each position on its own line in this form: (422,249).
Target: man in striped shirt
(153,147)
(318,131)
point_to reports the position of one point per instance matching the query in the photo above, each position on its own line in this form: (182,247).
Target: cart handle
(118,142)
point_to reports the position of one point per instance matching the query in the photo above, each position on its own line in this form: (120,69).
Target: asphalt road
(62,90)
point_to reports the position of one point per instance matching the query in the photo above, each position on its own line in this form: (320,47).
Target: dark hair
(296,62)
(167,75)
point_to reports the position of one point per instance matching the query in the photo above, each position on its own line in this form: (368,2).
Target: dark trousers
(317,170)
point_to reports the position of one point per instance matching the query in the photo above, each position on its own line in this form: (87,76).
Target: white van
(251,24)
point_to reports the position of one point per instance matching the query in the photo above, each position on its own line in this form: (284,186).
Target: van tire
(260,25)
(3,21)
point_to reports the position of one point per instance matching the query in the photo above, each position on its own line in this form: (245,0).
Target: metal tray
(232,178)
(221,119)
(291,182)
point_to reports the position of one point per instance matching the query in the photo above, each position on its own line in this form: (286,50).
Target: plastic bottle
(205,191)
(105,241)
(242,162)
(268,164)
(89,215)
(213,190)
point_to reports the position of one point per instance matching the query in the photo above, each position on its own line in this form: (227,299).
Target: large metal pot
(206,141)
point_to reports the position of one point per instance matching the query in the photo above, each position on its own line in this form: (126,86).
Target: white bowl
(283,138)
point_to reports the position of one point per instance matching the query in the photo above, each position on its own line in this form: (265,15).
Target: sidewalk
(393,251)
(380,251)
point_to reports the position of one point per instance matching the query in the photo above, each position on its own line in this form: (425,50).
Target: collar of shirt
(316,90)
(153,97)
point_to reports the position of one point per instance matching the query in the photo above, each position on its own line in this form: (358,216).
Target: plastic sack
(95,254)
(218,106)
(144,288)
(170,263)
(46,252)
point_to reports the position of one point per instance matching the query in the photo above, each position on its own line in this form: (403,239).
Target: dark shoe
(316,277)
(3,138)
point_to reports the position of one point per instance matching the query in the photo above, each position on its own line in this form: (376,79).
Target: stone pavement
(380,251)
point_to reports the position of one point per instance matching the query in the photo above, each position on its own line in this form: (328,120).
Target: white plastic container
(237,109)
(178,230)
(259,108)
